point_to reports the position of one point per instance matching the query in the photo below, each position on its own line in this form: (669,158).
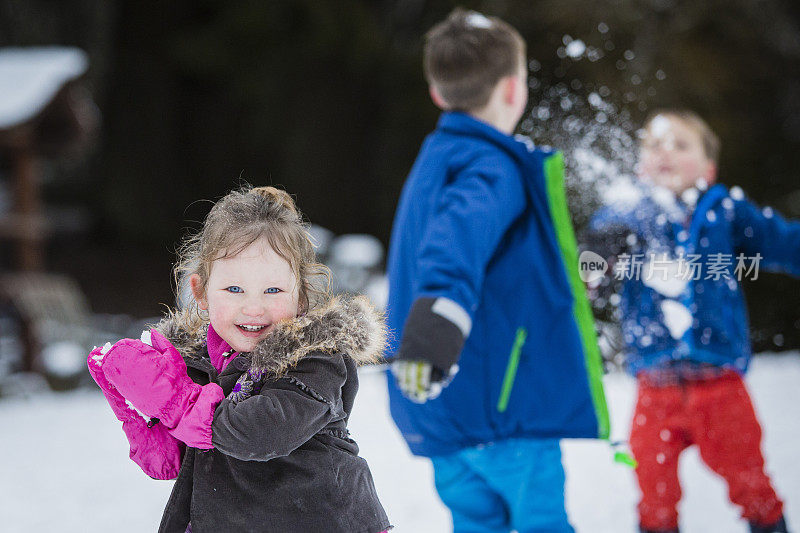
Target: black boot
(643,530)
(777,527)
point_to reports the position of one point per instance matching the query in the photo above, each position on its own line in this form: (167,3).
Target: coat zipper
(511,369)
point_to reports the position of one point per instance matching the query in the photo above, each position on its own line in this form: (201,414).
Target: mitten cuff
(193,426)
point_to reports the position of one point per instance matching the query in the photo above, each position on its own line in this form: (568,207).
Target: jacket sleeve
(765,232)
(285,414)
(476,209)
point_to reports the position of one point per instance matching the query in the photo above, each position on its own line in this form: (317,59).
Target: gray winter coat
(283,461)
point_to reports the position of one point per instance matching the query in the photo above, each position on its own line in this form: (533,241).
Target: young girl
(244,394)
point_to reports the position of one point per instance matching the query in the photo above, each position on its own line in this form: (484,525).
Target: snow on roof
(31,77)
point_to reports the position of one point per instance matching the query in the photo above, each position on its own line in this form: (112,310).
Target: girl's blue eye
(234,289)
(273,290)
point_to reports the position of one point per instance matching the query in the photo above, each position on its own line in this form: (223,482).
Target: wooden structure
(46,113)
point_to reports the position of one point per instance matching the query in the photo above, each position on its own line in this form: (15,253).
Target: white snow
(103,351)
(576,48)
(737,193)
(133,407)
(663,276)
(620,193)
(65,464)
(660,126)
(31,77)
(478,21)
(595,100)
(665,198)
(677,318)
(690,196)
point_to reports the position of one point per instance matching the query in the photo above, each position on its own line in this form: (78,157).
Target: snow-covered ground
(64,466)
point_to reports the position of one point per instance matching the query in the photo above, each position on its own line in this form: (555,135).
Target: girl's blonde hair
(238,220)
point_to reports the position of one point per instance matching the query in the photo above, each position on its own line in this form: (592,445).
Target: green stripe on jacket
(582,311)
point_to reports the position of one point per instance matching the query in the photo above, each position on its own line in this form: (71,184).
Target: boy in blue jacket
(497,356)
(681,250)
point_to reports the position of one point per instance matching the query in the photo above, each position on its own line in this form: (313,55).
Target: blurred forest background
(327,99)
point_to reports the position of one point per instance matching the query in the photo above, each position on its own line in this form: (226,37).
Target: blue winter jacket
(725,231)
(475,224)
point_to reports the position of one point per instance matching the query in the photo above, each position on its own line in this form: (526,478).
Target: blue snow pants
(515,484)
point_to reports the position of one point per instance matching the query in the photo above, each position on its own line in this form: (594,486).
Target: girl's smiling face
(247,294)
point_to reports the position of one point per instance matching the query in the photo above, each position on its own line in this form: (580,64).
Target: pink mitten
(152,376)
(156,452)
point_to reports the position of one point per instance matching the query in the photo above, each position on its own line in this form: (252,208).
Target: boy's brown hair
(467,54)
(711,142)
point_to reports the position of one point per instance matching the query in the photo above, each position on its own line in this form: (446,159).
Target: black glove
(433,337)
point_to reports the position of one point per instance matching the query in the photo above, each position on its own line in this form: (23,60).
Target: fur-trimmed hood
(346,324)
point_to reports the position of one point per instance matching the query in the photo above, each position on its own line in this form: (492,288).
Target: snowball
(690,196)
(576,48)
(664,198)
(662,275)
(476,20)
(621,192)
(677,318)
(660,126)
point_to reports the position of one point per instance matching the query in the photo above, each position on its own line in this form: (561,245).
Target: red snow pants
(717,415)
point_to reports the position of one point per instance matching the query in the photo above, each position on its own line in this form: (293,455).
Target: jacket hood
(345,324)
